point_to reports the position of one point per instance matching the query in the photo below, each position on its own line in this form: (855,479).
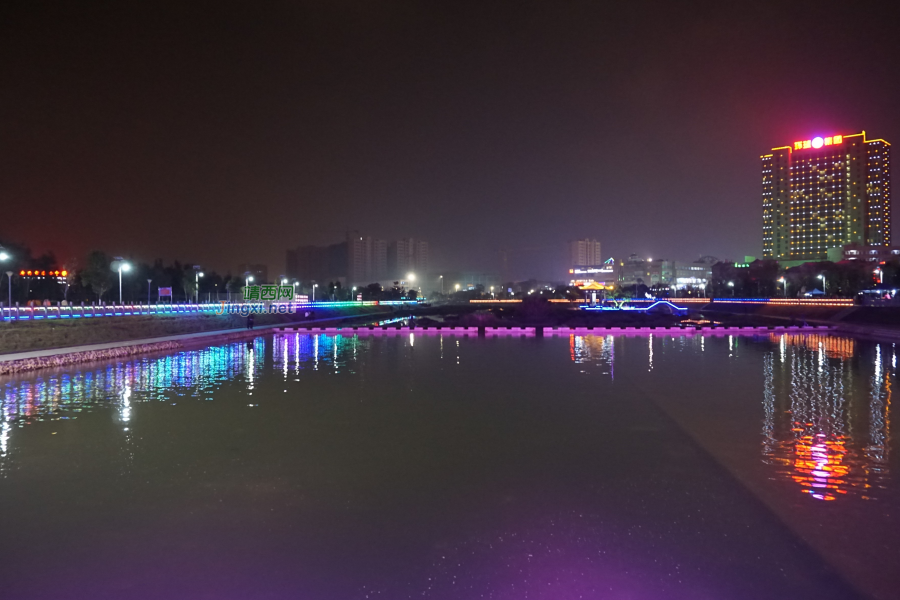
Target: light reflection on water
(824,426)
(60,395)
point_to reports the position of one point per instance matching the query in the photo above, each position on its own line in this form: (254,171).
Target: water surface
(442,466)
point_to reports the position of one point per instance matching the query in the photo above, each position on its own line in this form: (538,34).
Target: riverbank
(26,336)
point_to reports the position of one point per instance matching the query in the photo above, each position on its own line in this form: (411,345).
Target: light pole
(119,264)
(315,285)
(824,285)
(353,295)
(731,285)
(149,281)
(880,274)
(9,275)
(4,256)
(442,285)
(197,275)
(784,285)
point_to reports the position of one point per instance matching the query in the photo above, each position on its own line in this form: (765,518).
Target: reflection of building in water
(825,427)
(593,349)
(834,347)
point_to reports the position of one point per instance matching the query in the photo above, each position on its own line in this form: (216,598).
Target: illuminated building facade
(825,193)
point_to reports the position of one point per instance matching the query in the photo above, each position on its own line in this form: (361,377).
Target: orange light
(828,141)
(571,271)
(798,145)
(838,139)
(43,273)
(807,144)
(64,273)
(29,273)
(21,272)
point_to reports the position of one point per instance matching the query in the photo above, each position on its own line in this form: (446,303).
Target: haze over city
(190,131)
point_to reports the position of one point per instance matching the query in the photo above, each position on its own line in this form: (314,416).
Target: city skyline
(477,129)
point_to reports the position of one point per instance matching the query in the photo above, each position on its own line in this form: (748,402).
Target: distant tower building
(366,259)
(407,255)
(825,193)
(585,253)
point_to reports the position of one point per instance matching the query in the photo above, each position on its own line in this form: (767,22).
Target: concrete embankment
(201,330)
(24,336)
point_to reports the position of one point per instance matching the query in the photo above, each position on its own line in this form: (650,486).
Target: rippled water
(442,466)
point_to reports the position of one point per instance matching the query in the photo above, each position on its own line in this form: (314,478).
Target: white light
(411,276)
(125,267)
(4,256)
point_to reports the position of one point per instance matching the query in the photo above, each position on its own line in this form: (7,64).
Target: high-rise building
(825,193)
(407,255)
(585,253)
(366,259)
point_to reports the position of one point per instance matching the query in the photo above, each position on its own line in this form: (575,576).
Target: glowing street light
(824,284)
(4,255)
(783,282)
(731,285)
(442,285)
(457,287)
(315,285)
(197,275)
(410,276)
(119,264)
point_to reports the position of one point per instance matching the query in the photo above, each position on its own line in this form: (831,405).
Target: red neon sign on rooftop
(818,142)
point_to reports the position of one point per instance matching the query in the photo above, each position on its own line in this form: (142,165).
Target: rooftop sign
(818,142)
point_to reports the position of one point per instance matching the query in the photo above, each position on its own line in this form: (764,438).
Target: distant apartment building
(874,254)
(360,260)
(366,259)
(407,255)
(678,274)
(585,253)
(259,272)
(824,193)
(318,263)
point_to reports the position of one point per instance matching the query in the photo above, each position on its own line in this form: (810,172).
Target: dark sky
(222,133)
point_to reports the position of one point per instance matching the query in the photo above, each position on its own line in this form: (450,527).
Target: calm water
(435,466)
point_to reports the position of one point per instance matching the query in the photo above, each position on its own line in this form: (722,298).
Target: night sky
(221,133)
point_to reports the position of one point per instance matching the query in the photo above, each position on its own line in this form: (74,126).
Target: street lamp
(119,264)
(824,284)
(411,276)
(315,285)
(4,255)
(457,287)
(880,274)
(197,275)
(783,282)
(731,285)
(442,285)
(9,275)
